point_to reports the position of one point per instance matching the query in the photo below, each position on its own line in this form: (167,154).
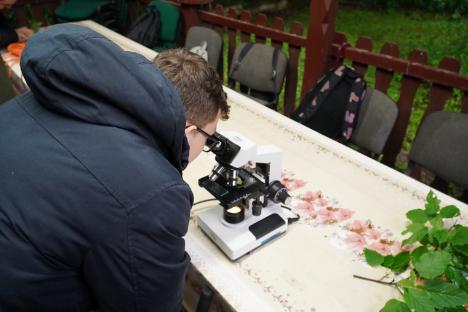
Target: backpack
(146,28)
(332,106)
(201,50)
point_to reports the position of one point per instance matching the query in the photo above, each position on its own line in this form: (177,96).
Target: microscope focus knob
(257,208)
(278,193)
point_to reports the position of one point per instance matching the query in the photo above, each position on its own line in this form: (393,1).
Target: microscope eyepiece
(224,149)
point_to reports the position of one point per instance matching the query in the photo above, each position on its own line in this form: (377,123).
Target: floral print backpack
(332,106)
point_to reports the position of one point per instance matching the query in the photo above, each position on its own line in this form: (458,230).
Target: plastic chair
(171,23)
(256,73)
(110,13)
(377,117)
(441,146)
(198,34)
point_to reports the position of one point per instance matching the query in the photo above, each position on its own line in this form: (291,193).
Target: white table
(307,269)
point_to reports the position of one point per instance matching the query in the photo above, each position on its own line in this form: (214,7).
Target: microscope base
(235,240)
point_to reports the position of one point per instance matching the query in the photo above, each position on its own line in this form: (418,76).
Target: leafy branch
(438,267)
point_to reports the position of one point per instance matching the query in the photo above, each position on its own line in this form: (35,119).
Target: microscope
(246,183)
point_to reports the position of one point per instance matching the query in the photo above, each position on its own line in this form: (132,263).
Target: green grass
(439,35)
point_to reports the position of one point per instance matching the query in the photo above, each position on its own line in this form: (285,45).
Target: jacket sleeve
(7,34)
(147,273)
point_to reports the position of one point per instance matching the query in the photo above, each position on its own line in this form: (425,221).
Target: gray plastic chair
(255,73)
(377,117)
(198,34)
(441,146)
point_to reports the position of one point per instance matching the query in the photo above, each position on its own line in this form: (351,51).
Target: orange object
(16,48)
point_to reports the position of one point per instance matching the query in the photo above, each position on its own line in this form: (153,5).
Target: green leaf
(394,305)
(445,295)
(432,263)
(449,212)
(408,282)
(432,204)
(417,236)
(418,300)
(455,276)
(401,261)
(461,250)
(440,235)
(417,216)
(437,223)
(413,227)
(418,252)
(373,258)
(388,261)
(460,236)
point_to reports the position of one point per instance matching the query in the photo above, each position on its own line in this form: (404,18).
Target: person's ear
(190,129)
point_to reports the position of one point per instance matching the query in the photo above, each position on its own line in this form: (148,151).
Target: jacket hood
(78,73)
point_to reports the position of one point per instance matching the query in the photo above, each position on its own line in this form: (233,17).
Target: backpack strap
(242,54)
(356,97)
(274,65)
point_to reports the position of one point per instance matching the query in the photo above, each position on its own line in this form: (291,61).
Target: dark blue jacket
(92,203)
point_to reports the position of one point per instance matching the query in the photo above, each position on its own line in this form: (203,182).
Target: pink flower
(310,196)
(354,240)
(343,214)
(372,234)
(321,201)
(396,248)
(325,216)
(303,205)
(298,184)
(359,226)
(381,248)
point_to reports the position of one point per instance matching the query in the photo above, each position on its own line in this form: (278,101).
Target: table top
(311,267)
(339,190)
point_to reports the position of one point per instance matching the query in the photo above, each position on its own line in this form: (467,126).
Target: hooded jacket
(92,202)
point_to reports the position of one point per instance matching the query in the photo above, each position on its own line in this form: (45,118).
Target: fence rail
(242,24)
(414,70)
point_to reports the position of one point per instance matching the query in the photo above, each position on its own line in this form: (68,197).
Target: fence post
(319,40)
(189,10)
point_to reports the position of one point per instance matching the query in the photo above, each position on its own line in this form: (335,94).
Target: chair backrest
(376,119)
(441,146)
(170,20)
(256,68)
(75,10)
(198,34)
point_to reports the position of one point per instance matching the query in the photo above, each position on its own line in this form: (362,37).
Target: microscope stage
(235,240)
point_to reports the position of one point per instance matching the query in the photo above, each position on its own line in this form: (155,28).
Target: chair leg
(464,197)
(440,185)
(204,302)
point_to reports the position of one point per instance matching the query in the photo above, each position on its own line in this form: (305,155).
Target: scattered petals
(343,214)
(381,248)
(355,241)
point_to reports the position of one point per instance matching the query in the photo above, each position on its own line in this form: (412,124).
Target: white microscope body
(246,181)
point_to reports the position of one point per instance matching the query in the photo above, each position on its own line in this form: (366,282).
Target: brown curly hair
(198,84)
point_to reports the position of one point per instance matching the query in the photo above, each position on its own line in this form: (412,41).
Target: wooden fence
(414,70)
(39,10)
(321,47)
(231,22)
